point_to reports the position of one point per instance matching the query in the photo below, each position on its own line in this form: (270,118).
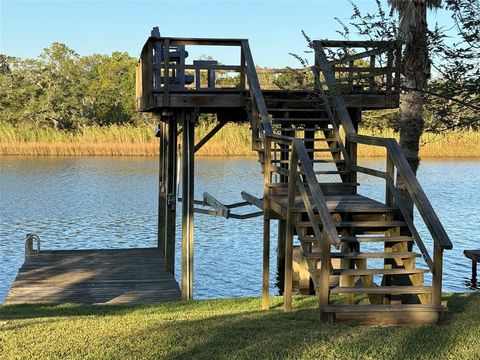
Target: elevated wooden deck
(116,276)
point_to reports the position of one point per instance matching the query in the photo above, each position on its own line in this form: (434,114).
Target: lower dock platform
(106,276)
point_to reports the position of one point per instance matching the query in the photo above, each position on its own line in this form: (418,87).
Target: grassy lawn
(229,329)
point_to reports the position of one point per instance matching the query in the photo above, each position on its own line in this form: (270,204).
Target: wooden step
(363,272)
(316,161)
(302,129)
(366,239)
(386,315)
(357,224)
(382,290)
(331,150)
(366,255)
(295,110)
(383,308)
(276,120)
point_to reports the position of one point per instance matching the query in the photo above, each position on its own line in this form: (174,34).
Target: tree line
(64,90)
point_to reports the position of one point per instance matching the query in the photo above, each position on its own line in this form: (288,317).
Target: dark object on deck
(117,276)
(473,255)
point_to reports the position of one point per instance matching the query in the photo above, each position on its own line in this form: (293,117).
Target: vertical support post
(187,204)
(437,274)
(266,264)
(292,186)
(371,82)
(282,224)
(324,285)
(166,75)
(162,191)
(351,147)
(171,194)
(267,179)
(390,170)
(242,70)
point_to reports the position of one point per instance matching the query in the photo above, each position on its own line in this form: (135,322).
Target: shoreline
(232,140)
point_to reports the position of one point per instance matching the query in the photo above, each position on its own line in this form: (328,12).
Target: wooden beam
(187,204)
(171,194)
(221,209)
(292,188)
(207,137)
(162,189)
(252,199)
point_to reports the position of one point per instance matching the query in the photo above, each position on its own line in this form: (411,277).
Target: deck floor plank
(106,276)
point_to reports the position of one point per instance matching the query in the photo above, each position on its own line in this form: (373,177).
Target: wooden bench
(473,255)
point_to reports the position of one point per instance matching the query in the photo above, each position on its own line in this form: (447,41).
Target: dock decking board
(106,276)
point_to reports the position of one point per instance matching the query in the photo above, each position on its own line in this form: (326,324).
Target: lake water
(111,202)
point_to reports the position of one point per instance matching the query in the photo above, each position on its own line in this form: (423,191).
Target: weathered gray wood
(221,209)
(292,186)
(187,204)
(162,190)
(119,276)
(207,137)
(171,194)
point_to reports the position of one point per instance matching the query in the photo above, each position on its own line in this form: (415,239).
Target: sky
(272,27)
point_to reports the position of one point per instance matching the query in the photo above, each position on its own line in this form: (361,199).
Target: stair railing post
(437,274)
(292,187)
(267,176)
(324,285)
(390,171)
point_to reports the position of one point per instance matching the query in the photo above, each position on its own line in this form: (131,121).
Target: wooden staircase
(311,182)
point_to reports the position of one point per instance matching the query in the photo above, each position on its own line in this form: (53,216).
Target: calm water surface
(94,202)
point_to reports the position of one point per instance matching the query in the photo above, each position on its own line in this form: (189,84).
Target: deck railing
(396,163)
(157,69)
(301,178)
(364,66)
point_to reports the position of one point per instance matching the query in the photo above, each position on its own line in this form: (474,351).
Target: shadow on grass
(237,329)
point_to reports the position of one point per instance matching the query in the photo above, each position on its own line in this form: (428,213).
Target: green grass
(228,329)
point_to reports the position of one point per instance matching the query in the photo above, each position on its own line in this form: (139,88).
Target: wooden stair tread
(295,109)
(362,272)
(340,203)
(376,239)
(382,290)
(332,150)
(364,224)
(311,238)
(383,308)
(281,120)
(368,255)
(320,161)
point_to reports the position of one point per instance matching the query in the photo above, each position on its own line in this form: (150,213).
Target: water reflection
(95,202)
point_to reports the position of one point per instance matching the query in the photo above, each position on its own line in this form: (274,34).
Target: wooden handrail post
(437,274)
(390,171)
(292,187)
(324,286)
(267,177)
(242,70)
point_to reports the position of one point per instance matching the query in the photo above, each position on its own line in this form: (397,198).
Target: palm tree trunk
(416,71)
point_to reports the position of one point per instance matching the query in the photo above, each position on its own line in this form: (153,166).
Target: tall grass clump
(232,140)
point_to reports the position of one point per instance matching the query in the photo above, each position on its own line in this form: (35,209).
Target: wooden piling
(187,204)
(162,190)
(171,194)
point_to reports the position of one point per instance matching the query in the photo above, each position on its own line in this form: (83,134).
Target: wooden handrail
(317,194)
(343,115)
(414,188)
(297,146)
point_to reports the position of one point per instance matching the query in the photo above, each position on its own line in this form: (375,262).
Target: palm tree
(416,64)
(416,71)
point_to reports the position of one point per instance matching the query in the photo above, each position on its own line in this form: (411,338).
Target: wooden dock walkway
(107,276)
